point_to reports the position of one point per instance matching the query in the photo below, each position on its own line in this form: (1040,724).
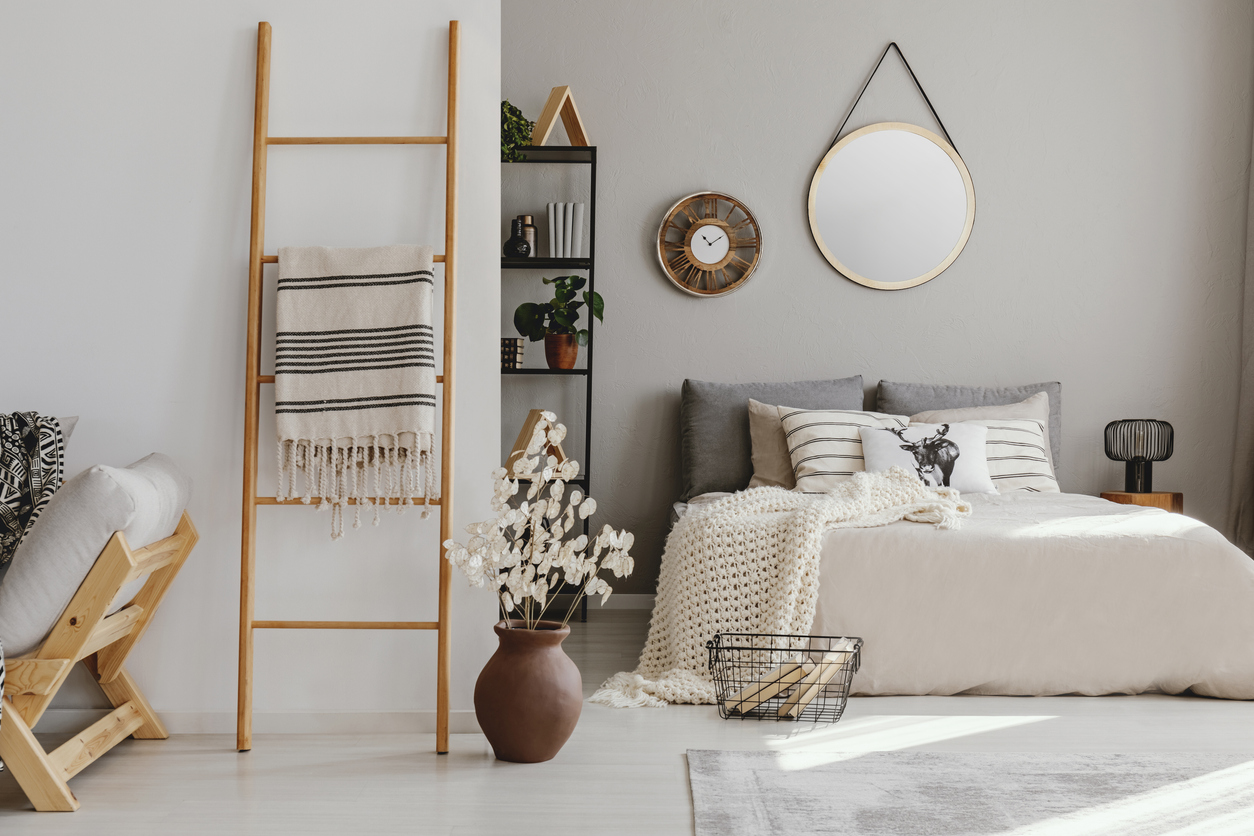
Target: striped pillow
(1017,458)
(825,445)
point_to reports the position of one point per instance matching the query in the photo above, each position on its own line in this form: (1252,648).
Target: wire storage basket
(765,676)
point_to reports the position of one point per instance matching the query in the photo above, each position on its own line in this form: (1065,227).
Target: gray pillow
(912,398)
(144,501)
(715,450)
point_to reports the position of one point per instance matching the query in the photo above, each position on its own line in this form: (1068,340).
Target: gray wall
(1109,144)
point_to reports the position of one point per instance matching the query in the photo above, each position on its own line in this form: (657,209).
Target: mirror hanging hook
(913,77)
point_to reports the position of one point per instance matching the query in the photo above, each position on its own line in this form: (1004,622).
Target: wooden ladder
(254,380)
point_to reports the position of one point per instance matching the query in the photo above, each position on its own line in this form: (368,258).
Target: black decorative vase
(517,246)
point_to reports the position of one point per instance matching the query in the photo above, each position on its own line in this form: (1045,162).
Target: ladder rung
(274,259)
(317,500)
(356,140)
(346,625)
(269,378)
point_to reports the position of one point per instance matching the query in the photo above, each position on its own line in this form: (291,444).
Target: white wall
(1109,144)
(125,158)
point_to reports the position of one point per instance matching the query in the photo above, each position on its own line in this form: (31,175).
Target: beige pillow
(771,465)
(825,445)
(1035,408)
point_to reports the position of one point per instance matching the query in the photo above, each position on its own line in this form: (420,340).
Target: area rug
(749,793)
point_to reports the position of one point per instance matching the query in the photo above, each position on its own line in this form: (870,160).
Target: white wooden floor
(623,771)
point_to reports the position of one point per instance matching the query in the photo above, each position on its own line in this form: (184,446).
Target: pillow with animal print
(943,455)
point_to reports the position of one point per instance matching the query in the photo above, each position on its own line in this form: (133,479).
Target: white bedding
(1043,594)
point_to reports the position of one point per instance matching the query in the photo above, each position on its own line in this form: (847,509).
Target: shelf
(538,263)
(576,154)
(545,371)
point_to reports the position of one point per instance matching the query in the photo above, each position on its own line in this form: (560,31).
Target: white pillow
(825,446)
(1016,451)
(943,455)
(68,425)
(143,500)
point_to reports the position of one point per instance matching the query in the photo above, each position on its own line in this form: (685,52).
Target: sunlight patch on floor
(1223,801)
(850,739)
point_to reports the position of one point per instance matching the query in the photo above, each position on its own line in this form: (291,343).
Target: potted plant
(515,133)
(529,694)
(555,321)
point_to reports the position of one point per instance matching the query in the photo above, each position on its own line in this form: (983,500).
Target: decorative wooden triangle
(560,101)
(520,446)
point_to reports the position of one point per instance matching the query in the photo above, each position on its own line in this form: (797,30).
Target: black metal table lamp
(1140,443)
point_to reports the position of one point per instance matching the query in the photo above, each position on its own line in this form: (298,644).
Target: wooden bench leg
(121,690)
(35,773)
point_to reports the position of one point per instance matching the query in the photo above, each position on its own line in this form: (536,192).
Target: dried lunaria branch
(523,551)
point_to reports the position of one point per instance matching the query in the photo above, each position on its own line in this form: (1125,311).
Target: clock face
(709,244)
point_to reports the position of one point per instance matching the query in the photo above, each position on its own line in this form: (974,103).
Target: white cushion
(824,444)
(144,501)
(943,455)
(67,425)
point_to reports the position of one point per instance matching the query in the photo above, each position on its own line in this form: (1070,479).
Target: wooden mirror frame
(966,229)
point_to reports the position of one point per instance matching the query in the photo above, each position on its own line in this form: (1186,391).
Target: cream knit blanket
(354,376)
(750,564)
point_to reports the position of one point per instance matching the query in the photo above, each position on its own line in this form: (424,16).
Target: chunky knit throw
(750,564)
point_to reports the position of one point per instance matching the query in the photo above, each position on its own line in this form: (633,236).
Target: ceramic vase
(561,350)
(529,694)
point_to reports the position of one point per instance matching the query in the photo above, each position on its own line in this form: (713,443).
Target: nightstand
(1166,500)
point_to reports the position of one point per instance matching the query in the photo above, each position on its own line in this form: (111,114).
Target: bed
(1041,594)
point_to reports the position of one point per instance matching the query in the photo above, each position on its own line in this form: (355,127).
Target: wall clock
(709,244)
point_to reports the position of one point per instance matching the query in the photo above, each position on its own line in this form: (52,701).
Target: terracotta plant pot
(529,694)
(561,350)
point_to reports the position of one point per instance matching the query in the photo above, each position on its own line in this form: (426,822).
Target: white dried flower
(517,549)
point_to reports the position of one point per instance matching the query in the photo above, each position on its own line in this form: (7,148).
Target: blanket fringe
(343,472)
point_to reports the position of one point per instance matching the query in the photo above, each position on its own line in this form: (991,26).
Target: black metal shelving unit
(569,155)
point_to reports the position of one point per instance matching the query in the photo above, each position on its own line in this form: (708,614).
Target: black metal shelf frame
(546,263)
(569,155)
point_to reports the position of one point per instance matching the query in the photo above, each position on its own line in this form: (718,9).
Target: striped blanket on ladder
(354,377)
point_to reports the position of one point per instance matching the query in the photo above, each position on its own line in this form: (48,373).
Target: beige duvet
(1043,594)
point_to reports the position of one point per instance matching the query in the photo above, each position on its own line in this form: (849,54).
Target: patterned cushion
(1017,456)
(942,455)
(825,445)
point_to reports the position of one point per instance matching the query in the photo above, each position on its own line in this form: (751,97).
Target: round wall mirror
(891,205)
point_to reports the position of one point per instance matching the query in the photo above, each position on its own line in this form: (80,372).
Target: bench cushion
(144,501)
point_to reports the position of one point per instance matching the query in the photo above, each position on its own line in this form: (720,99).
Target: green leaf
(563,318)
(565,294)
(582,337)
(595,303)
(577,282)
(515,133)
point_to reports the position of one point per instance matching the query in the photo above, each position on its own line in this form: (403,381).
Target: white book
(576,246)
(559,228)
(552,228)
(567,240)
